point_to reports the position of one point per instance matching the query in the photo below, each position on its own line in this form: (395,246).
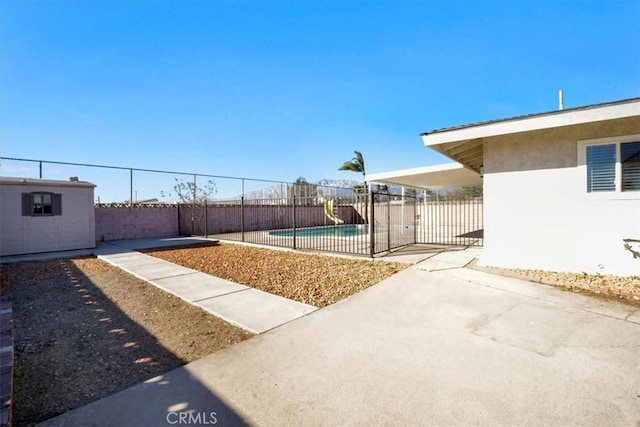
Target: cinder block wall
(142,222)
(136,222)
(227,219)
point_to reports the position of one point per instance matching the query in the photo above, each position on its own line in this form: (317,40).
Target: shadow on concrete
(74,345)
(476,234)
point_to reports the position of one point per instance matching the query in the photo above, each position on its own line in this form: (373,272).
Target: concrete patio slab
(615,309)
(634,317)
(419,348)
(46,256)
(197,286)
(413,254)
(449,259)
(107,249)
(532,327)
(255,310)
(165,408)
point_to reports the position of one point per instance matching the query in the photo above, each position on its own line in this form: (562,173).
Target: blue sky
(282,89)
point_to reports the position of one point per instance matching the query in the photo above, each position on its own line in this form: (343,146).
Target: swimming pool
(332,230)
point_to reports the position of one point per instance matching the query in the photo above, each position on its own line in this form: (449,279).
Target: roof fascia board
(569,118)
(33,182)
(414,171)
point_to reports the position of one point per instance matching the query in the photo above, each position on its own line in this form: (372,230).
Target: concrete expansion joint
(172,275)
(441,269)
(470,262)
(222,295)
(558,303)
(635,313)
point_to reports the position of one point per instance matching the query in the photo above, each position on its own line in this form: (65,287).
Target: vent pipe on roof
(560,100)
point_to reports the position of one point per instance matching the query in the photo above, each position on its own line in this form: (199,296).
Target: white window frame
(582,166)
(42,204)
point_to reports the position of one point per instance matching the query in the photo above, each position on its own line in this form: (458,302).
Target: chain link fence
(116,184)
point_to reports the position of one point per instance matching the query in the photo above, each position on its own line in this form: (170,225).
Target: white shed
(40,215)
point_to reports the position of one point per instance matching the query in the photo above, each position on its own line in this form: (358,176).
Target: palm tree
(357,165)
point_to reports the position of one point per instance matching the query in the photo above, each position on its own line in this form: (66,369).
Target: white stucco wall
(74,229)
(538,214)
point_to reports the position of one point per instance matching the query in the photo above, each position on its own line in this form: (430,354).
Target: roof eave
(560,118)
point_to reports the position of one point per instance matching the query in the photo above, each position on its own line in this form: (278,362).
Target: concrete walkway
(251,309)
(435,344)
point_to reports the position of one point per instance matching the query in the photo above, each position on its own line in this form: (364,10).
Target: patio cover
(429,177)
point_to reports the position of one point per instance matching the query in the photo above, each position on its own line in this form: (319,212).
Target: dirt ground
(85,329)
(318,280)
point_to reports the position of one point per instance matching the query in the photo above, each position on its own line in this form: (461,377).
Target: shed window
(613,167)
(41,204)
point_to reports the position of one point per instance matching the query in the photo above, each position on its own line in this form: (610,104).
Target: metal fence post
(415,219)
(206,219)
(388,222)
(193,208)
(40,169)
(372,225)
(179,227)
(294,221)
(242,215)
(130,187)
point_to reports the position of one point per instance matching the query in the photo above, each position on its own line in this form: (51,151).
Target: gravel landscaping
(319,280)
(85,329)
(624,288)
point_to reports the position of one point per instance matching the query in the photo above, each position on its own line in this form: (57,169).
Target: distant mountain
(345,183)
(325,187)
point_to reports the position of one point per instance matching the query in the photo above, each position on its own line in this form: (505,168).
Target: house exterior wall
(538,214)
(74,229)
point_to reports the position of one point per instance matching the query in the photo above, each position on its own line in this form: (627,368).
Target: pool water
(333,230)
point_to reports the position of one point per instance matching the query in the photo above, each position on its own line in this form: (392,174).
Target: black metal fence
(450,220)
(335,224)
(297,215)
(361,224)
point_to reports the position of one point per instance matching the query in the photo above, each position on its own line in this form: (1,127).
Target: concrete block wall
(135,222)
(228,219)
(140,222)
